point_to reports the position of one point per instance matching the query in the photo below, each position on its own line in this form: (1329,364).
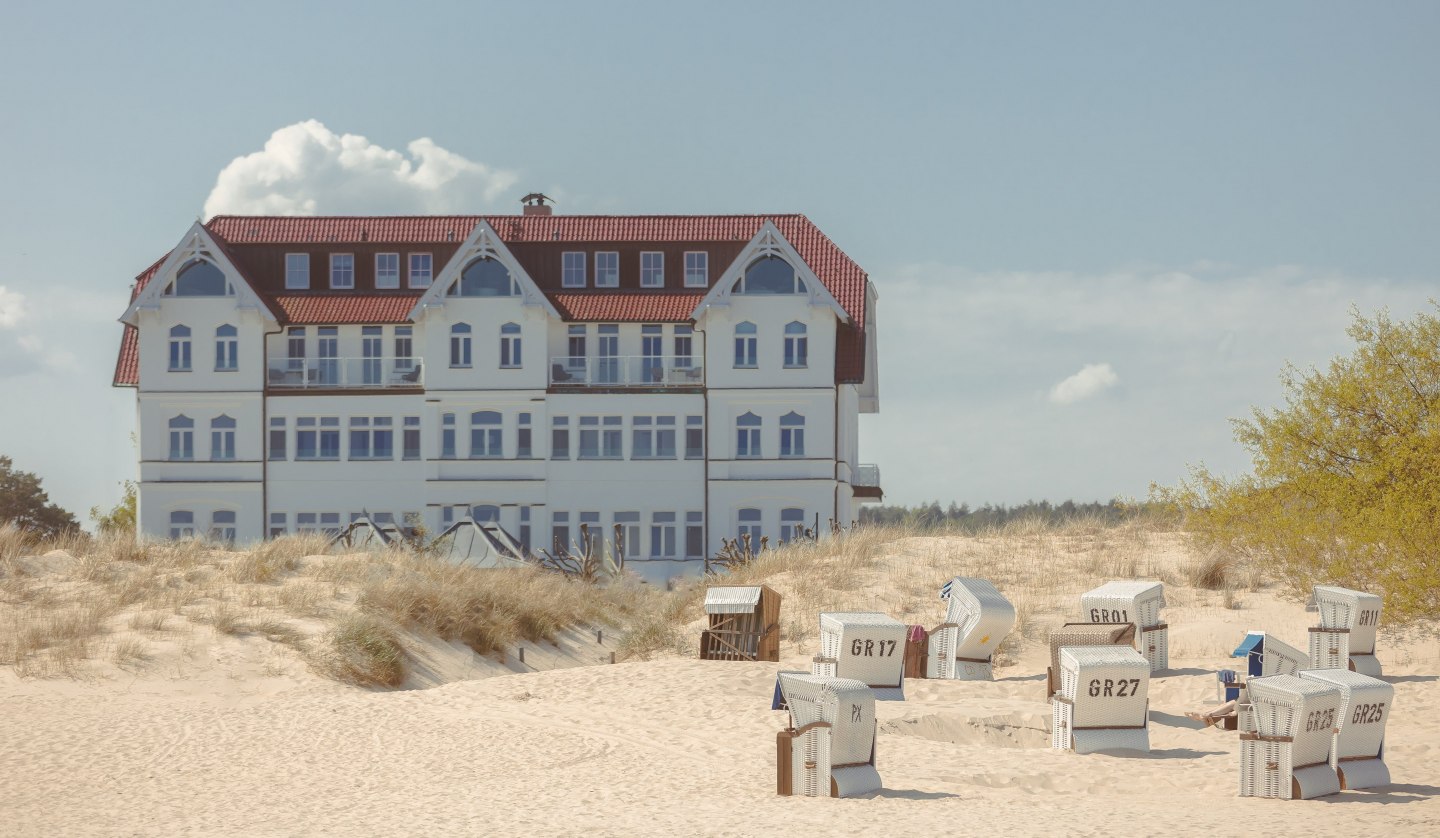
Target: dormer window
(697,269)
(607,269)
(572,269)
(770,275)
(485,278)
(342,271)
(421,270)
(200,279)
(652,269)
(387,270)
(297,271)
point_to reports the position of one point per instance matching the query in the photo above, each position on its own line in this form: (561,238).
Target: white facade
(253,424)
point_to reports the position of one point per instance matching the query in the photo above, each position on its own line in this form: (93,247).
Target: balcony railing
(865,481)
(627,371)
(341,373)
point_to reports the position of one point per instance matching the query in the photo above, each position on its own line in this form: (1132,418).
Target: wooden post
(522,654)
(612,657)
(600,637)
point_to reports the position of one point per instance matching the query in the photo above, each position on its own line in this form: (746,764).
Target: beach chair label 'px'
(872,648)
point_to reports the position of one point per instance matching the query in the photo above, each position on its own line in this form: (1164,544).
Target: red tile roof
(310,309)
(628,307)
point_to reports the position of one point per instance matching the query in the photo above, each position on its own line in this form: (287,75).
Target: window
(770,275)
(277,438)
(572,269)
(447,436)
(745,345)
(484,277)
(387,270)
(601,437)
(611,438)
(200,279)
(694,437)
(485,514)
(327,351)
(750,526)
(522,437)
(182,524)
(559,531)
(607,354)
(697,269)
(460,345)
(421,272)
(404,348)
(226,344)
(510,346)
(792,435)
(662,535)
(652,269)
(372,350)
(342,270)
(305,522)
(182,438)
(590,524)
(684,347)
(317,439)
(607,269)
(694,535)
(372,438)
(575,343)
(295,347)
(297,271)
(525,529)
(747,436)
(410,438)
(180,348)
(589,437)
(628,536)
(665,437)
(279,524)
(222,438)
(330,523)
(652,351)
(642,438)
(797,346)
(485,436)
(222,526)
(559,437)
(792,524)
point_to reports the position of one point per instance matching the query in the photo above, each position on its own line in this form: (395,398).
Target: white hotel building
(689,378)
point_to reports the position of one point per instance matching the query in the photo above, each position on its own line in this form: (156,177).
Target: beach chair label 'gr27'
(1109,615)
(1320,720)
(872,648)
(1367,713)
(1114,688)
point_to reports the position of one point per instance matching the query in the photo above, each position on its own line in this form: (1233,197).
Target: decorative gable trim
(483,242)
(769,241)
(198,243)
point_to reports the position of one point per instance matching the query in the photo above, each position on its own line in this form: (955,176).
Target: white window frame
(697,270)
(572,269)
(652,269)
(607,276)
(226,346)
(297,271)
(747,436)
(797,346)
(792,436)
(418,277)
(179,358)
(222,438)
(386,277)
(345,274)
(511,357)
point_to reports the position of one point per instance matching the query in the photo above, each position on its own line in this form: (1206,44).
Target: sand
(239,739)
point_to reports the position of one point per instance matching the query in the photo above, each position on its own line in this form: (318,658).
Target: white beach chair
(1358,755)
(1133,602)
(1104,700)
(1286,739)
(1266,655)
(1345,638)
(977,618)
(1083,634)
(864,645)
(829,748)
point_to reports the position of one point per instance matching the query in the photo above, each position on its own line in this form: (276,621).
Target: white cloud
(1090,380)
(307,169)
(12,308)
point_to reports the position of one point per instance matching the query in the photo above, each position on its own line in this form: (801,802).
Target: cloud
(12,308)
(1091,379)
(307,169)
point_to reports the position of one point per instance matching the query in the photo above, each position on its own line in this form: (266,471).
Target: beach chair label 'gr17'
(1114,688)
(872,648)
(1109,615)
(1367,713)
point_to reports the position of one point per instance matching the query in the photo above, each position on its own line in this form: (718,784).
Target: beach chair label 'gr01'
(1109,615)
(1114,688)
(1320,720)
(1367,713)
(872,648)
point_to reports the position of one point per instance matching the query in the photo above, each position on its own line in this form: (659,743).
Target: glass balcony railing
(341,373)
(866,475)
(627,371)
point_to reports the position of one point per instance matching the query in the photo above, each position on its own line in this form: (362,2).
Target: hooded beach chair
(1104,700)
(1287,737)
(1345,638)
(829,748)
(1083,634)
(1265,655)
(1133,602)
(864,645)
(744,624)
(977,618)
(1359,752)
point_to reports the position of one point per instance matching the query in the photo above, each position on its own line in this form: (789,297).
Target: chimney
(535,204)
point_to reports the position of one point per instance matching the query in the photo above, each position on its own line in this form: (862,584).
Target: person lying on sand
(1215,715)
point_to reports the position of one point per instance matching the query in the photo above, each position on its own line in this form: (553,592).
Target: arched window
(747,436)
(222,526)
(745,345)
(226,344)
(182,438)
(510,345)
(447,436)
(792,524)
(485,514)
(180,348)
(200,278)
(182,524)
(460,345)
(484,434)
(222,438)
(749,520)
(792,435)
(484,277)
(797,346)
(769,275)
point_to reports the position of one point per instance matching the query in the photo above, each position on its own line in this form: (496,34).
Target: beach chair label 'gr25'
(1367,713)
(1109,615)
(1113,688)
(872,648)
(1320,720)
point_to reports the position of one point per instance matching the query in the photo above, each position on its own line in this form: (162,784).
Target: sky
(1098,231)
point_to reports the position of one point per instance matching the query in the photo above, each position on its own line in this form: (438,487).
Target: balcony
(627,371)
(865,481)
(344,373)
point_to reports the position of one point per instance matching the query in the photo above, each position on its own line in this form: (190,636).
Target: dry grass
(363,650)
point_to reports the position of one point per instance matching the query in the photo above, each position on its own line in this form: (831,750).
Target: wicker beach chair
(977,618)
(1133,602)
(1265,655)
(829,748)
(1345,638)
(1287,738)
(744,624)
(1359,752)
(1103,702)
(864,645)
(1083,634)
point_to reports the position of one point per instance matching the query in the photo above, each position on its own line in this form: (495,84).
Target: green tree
(120,519)
(23,502)
(1346,482)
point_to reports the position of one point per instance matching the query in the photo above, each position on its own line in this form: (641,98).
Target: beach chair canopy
(865,645)
(1124,602)
(732,599)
